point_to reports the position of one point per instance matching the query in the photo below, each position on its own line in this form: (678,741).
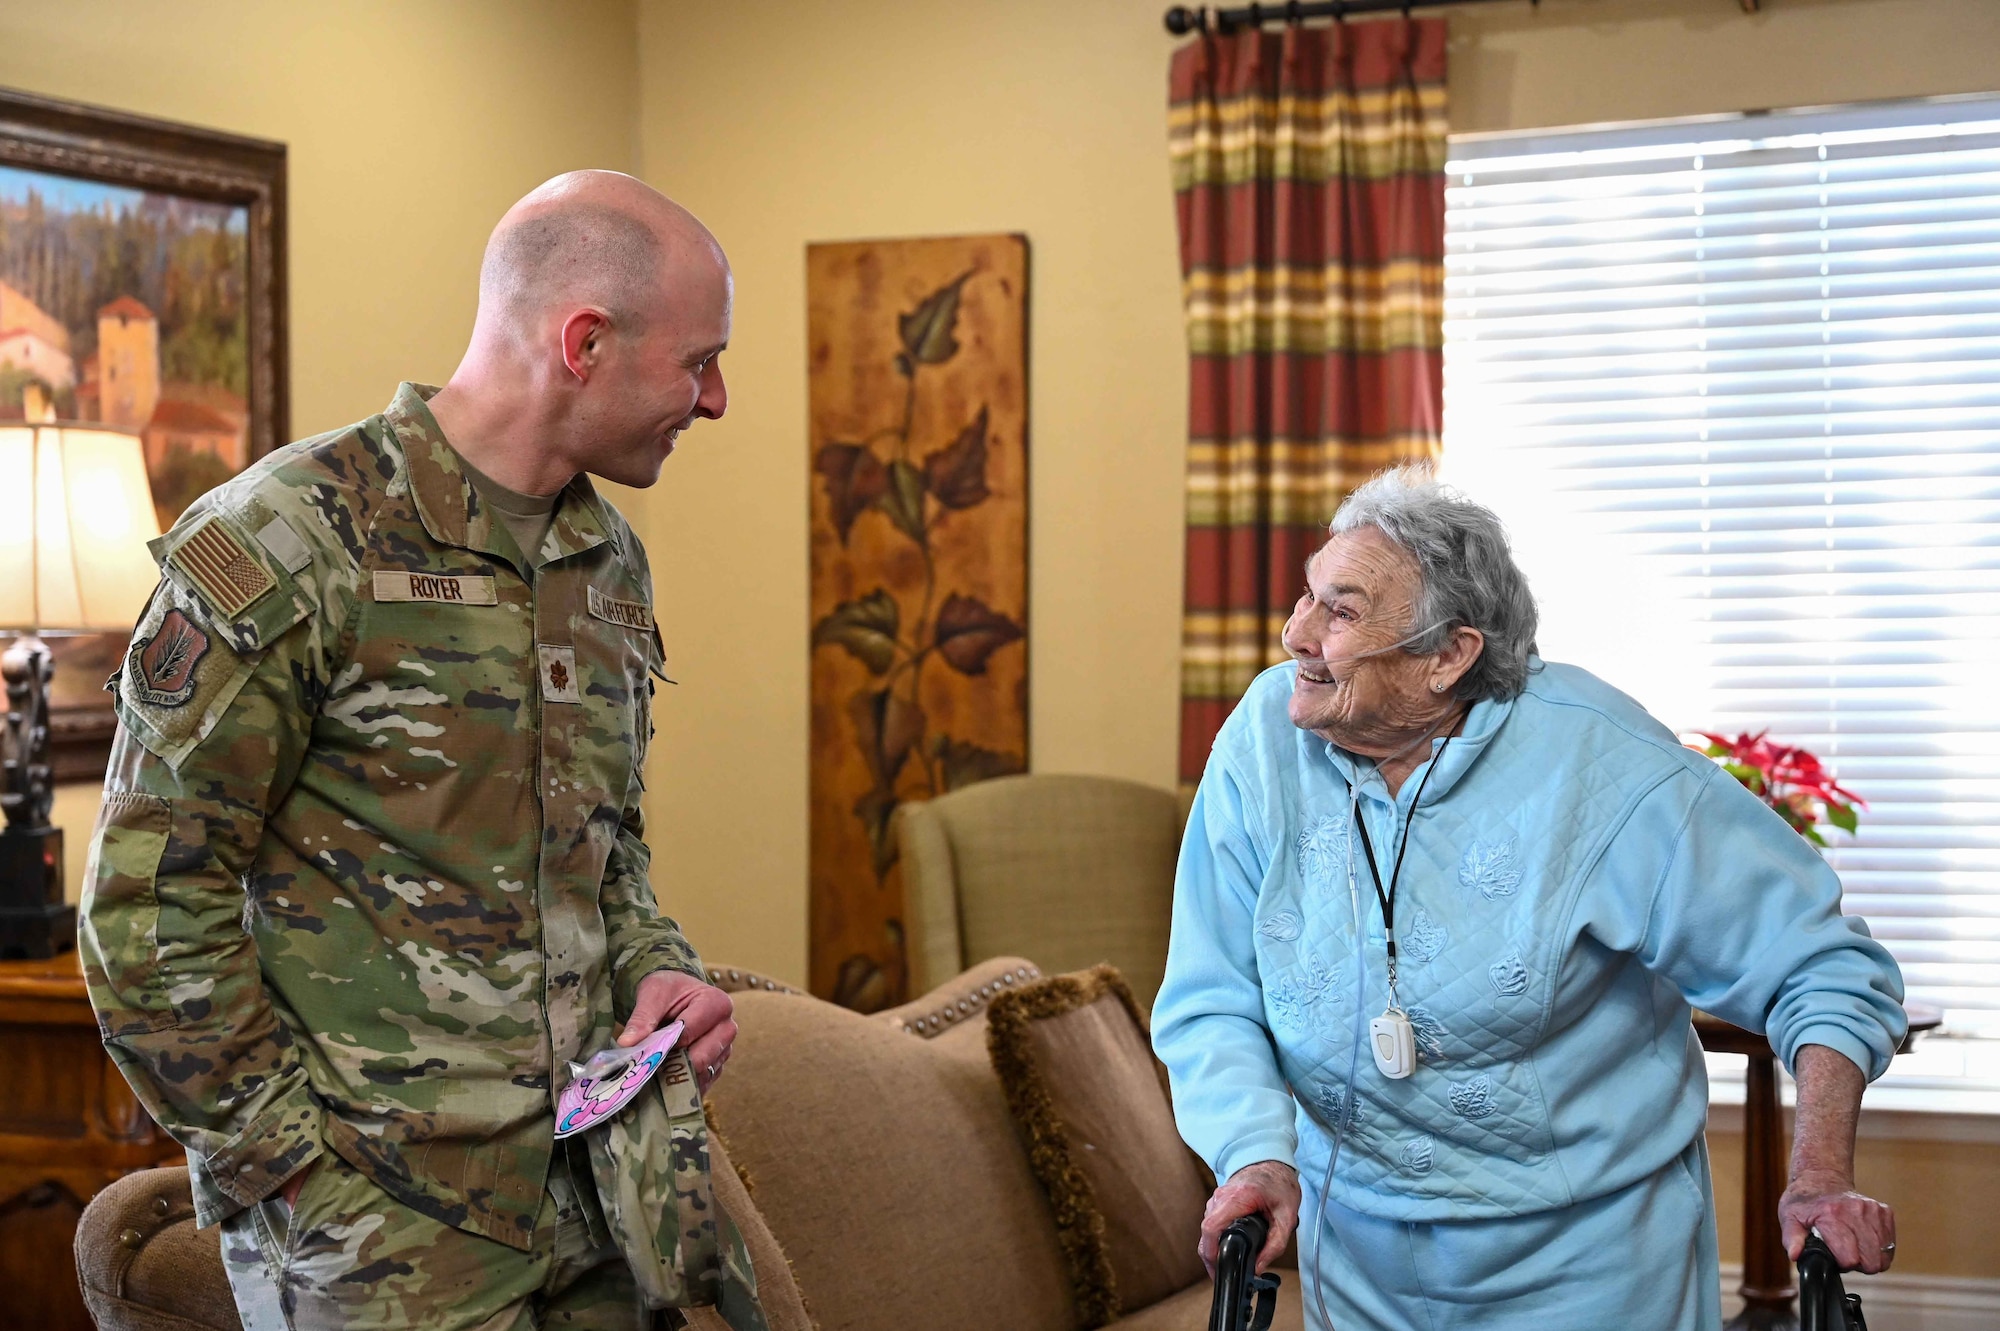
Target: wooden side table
(69,1125)
(1769,1290)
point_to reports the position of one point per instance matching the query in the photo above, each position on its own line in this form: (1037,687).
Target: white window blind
(1735,386)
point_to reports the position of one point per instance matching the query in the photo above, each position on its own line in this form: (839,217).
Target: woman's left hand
(1860,1230)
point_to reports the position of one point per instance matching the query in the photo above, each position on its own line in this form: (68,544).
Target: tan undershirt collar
(526,517)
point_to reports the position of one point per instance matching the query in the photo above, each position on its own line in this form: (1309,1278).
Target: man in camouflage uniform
(370,870)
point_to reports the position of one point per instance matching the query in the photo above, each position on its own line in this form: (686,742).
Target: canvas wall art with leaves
(918,456)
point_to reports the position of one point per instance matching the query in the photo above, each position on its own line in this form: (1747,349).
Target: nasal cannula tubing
(1403,641)
(1353,1066)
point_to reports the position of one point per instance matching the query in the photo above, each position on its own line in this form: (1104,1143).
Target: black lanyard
(1388,899)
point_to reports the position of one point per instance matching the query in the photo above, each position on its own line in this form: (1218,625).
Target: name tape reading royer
(450,588)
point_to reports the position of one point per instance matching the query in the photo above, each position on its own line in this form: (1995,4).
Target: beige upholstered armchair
(1069,870)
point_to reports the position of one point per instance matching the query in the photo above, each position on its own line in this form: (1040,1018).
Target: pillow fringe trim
(1080,1225)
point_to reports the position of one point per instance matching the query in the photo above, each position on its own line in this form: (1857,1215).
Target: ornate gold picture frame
(142,285)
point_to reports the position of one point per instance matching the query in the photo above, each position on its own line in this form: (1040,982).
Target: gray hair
(1467,571)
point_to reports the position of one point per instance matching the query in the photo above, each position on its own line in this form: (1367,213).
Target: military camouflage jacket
(369,870)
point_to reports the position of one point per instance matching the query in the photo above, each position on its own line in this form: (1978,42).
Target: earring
(1437,688)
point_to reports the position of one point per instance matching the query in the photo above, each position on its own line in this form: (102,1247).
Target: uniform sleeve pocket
(121,915)
(185,669)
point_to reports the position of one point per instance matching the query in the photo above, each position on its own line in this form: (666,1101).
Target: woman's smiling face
(1361,595)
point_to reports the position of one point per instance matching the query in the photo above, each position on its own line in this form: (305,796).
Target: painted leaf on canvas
(956,473)
(969,631)
(866,627)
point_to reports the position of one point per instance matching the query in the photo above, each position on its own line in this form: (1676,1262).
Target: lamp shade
(76,511)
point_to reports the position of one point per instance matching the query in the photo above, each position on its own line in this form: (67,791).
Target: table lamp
(76,511)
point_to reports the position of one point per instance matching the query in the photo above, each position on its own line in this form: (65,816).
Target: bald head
(604,310)
(598,238)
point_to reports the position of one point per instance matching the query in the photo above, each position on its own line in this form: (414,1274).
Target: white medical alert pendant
(1394,1043)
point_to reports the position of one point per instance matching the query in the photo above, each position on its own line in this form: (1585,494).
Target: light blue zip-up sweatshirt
(1575,879)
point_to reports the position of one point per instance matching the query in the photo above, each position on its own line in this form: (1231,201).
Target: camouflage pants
(352,1258)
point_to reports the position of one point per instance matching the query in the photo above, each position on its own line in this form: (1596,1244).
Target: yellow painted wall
(411,124)
(1588,61)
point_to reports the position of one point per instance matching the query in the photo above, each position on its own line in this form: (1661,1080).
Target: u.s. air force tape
(452,588)
(630,614)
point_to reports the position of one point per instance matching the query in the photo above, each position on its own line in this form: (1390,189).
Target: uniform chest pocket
(428,678)
(613,665)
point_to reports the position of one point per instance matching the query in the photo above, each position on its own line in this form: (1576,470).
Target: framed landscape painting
(142,287)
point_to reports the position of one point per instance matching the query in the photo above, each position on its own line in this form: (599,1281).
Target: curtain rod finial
(1181,21)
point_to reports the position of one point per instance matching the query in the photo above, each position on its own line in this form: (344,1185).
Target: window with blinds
(1735,386)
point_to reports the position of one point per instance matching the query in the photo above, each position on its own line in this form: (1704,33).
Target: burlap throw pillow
(885,1164)
(1073,1055)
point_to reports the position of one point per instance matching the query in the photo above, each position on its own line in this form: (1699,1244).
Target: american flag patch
(220,568)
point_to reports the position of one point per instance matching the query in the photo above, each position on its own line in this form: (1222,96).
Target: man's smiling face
(1360,597)
(662,378)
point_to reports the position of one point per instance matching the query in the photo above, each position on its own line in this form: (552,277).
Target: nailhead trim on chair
(930,1024)
(950,1014)
(733,980)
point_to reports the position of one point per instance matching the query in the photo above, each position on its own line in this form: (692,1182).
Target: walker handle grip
(1244,1300)
(1824,1305)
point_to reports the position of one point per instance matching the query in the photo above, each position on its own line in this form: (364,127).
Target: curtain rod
(1181,20)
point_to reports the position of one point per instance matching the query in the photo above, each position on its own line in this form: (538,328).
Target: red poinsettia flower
(1789,779)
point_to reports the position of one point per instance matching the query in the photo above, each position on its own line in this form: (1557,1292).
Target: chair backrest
(1068,870)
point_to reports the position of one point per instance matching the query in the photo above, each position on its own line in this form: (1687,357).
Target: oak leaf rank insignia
(558,674)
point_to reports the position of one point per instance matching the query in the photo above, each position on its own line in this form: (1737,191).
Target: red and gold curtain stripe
(1307,140)
(1308,168)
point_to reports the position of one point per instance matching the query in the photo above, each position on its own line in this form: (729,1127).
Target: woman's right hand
(1266,1186)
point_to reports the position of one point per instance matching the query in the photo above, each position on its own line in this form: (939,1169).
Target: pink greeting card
(609,1080)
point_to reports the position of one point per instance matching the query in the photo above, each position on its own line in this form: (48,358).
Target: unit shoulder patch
(162,663)
(625,614)
(181,674)
(226,574)
(445,588)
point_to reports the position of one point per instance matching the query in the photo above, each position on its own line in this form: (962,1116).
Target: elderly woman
(1441,913)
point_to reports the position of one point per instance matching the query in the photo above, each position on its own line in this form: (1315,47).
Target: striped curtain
(1309,178)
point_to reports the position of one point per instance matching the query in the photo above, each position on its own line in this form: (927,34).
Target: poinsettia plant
(1789,779)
